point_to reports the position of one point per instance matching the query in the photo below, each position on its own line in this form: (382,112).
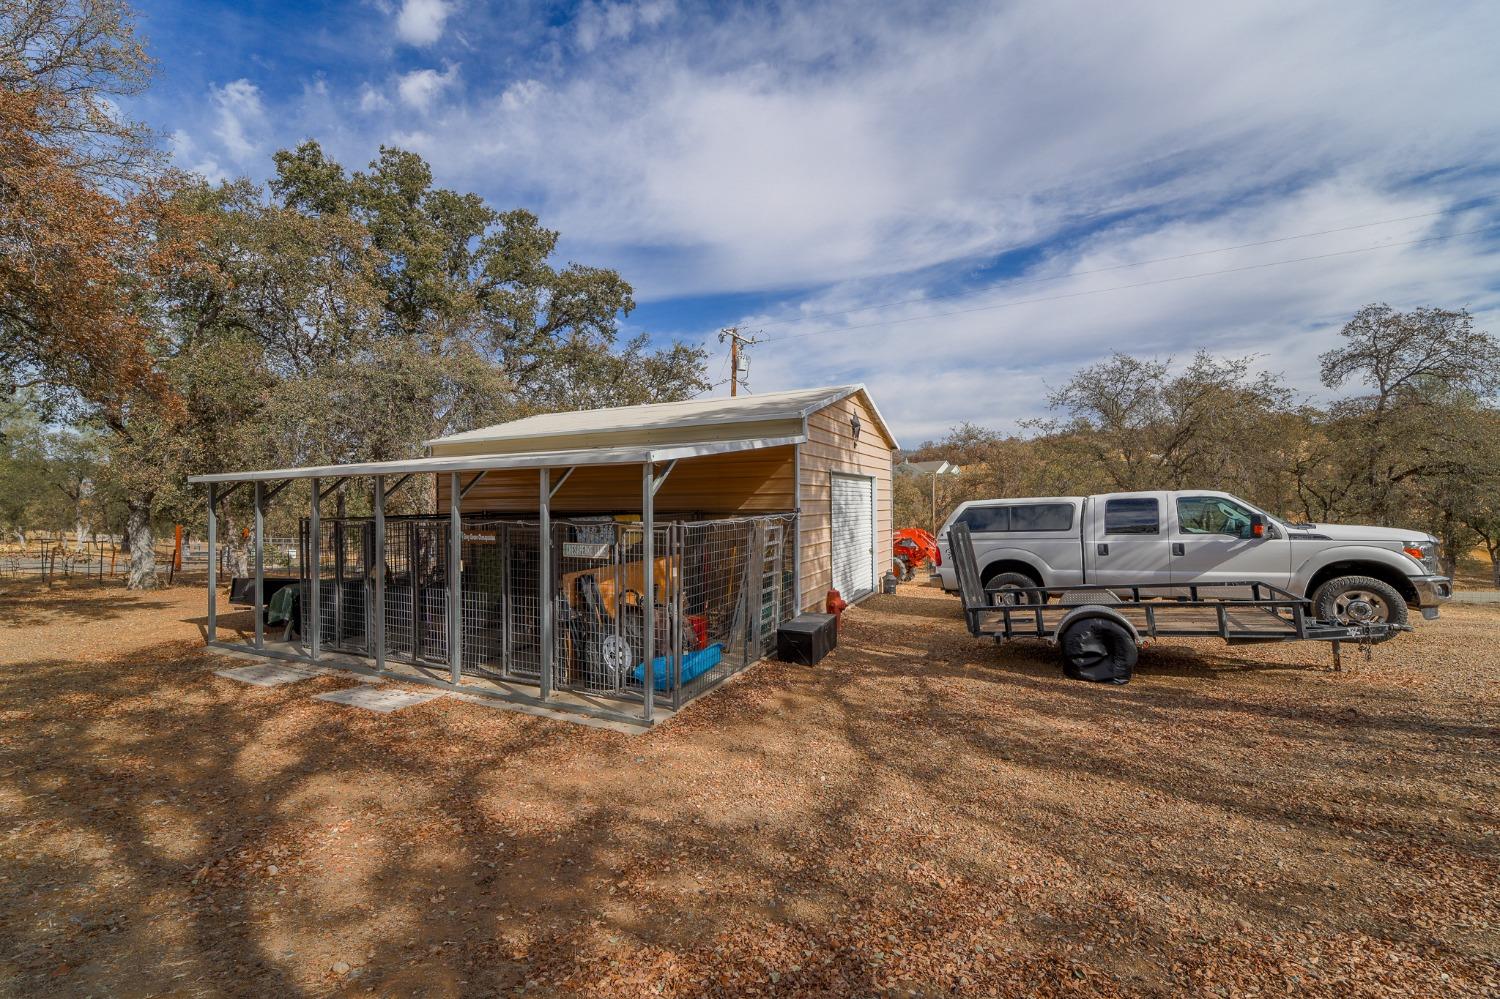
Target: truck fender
(993,555)
(1083,611)
(1348,553)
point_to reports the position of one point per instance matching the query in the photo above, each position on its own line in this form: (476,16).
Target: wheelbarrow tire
(1098,650)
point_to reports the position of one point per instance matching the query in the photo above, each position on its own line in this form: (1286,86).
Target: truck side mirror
(1257,526)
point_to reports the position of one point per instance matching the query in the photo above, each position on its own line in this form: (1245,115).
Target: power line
(1124,266)
(1126,287)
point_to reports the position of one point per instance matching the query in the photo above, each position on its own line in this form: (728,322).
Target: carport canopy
(486,462)
(544,462)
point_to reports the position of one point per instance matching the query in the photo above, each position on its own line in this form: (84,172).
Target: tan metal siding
(831,447)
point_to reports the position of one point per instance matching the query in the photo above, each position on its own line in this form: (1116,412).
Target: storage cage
(722,588)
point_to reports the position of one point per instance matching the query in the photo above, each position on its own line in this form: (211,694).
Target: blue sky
(955,203)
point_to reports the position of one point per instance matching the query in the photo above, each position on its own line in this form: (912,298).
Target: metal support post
(379,565)
(312,615)
(455,579)
(213,562)
(260,565)
(797,526)
(544,580)
(648,582)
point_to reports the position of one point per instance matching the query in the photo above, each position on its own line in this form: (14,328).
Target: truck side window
(983,519)
(1212,515)
(1132,516)
(1041,517)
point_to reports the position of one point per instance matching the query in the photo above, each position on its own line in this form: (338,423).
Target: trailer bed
(1240,612)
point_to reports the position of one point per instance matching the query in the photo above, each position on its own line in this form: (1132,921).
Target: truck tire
(1010,581)
(1098,649)
(1359,600)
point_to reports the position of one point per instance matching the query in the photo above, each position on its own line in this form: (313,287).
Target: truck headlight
(1425,552)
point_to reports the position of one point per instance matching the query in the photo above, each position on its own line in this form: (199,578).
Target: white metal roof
(929,467)
(765,407)
(531,459)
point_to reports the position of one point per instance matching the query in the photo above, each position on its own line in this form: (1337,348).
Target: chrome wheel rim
(1008,596)
(1360,607)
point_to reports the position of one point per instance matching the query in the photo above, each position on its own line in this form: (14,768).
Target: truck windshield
(1212,515)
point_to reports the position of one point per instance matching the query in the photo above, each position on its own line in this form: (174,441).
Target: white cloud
(421,87)
(761,154)
(187,156)
(240,117)
(421,22)
(832,154)
(604,20)
(372,100)
(990,355)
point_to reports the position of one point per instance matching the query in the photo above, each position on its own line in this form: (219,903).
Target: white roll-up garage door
(853,535)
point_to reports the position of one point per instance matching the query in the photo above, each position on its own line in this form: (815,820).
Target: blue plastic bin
(694,664)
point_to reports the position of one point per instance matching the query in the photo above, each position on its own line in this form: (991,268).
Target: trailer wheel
(1098,649)
(1354,600)
(1003,590)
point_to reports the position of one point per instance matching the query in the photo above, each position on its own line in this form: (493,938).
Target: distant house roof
(693,414)
(929,467)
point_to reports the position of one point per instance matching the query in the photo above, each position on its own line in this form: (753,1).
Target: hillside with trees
(1411,437)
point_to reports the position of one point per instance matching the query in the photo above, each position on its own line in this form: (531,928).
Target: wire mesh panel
(721,590)
(351,541)
(484,593)
(400,602)
(590,581)
(429,546)
(321,562)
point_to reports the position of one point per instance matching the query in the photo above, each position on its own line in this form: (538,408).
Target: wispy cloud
(607,21)
(834,154)
(420,22)
(421,88)
(240,118)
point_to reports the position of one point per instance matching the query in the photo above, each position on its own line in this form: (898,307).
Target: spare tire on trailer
(1098,649)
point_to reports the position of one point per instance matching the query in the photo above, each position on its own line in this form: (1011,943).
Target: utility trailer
(1100,629)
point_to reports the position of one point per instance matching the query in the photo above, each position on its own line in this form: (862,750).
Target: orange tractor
(914,548)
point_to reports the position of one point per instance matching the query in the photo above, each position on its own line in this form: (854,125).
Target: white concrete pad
(267,674)
(383,699)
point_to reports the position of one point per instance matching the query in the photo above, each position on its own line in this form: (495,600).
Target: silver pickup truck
(1353,575)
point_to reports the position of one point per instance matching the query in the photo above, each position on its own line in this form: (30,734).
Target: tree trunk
(142,575)
(237,546)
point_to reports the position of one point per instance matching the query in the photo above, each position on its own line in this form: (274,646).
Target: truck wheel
(1098,649)
(1002,589)
(1359,600)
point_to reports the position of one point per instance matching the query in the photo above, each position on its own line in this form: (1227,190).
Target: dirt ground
(922,814)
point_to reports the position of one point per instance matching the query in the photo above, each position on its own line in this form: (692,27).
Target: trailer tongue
(1100,629)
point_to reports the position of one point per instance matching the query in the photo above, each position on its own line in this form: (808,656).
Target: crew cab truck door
(1129,541)
(1213,542)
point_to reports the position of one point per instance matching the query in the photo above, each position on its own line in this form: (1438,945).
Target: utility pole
(736,339)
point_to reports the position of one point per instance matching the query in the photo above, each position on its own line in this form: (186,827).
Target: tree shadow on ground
(883,819)
(30,602)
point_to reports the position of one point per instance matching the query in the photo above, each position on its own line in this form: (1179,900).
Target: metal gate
(853,535)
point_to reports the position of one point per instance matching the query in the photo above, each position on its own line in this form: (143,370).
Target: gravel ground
(922,814)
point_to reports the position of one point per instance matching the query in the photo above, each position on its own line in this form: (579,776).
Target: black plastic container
(807,638)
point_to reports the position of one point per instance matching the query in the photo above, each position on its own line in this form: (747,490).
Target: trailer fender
(1094,610)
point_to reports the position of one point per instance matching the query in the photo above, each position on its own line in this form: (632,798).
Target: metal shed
(566,545)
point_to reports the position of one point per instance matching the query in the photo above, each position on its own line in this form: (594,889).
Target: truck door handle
(1178,548)
(1104,549)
